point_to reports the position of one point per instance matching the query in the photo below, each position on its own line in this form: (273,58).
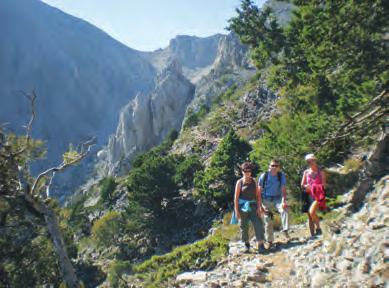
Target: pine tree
(218,181)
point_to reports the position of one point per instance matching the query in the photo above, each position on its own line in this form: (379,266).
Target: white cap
(310,157)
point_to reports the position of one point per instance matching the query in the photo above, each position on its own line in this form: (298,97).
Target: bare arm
(260,190)
(283,194)
(283,187)
(259,199)
(304,182)
(304,179)
(236,199)
(258,194)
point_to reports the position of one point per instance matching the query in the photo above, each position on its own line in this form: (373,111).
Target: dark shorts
(307,201)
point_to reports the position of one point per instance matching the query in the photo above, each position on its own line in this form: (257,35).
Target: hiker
(313,184)
(272,187)
(248,207)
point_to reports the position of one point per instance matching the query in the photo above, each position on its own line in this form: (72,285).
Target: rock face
(147,120)
(231,67)
(190,78)
(82,77)
(193,52)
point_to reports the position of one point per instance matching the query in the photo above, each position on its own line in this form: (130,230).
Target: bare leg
(311,225)
(312,213)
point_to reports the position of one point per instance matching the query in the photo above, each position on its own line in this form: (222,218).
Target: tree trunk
(67,271)
(66,266)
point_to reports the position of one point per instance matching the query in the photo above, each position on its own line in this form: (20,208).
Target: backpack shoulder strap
(265,176)
(279,175)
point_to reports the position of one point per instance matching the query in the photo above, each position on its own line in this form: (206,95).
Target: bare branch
(369,116)
(87,145)
(49,185)
(32,99)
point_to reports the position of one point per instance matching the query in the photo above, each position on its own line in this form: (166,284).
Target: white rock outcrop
(145,121)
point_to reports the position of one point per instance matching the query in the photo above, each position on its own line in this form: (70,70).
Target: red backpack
(319,194)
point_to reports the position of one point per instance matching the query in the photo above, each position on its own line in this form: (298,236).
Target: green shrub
(106,230)
(203,254)
(107,187)
(217,182)
(115,271)
(351,165)
(186,169)
(194,118)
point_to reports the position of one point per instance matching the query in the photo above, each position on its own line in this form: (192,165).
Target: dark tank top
(248,190)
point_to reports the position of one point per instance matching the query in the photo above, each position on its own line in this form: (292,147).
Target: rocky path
(352,252)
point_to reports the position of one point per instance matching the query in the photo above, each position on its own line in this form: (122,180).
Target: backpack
(266,175)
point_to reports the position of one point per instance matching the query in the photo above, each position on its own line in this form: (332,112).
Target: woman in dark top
(248,206)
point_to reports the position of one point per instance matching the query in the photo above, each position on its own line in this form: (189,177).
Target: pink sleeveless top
(314,178)
(317,188)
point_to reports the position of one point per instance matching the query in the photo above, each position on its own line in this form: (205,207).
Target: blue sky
(148,25)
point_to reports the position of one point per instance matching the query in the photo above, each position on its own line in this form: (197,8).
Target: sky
(148,25)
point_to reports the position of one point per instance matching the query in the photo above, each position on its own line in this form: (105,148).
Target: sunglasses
(246,170)
(274,165)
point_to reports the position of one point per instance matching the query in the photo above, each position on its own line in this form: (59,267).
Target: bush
(194,118)
(185,171)
(203,254)
(217,182)
(115,271)
(107,187)
(106,230)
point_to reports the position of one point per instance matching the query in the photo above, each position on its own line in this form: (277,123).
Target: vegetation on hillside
(328,63)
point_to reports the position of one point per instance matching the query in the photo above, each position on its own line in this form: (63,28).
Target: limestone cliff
(231,67)
(146,120)
(189,78)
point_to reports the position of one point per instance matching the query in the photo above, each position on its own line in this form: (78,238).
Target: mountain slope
(81,75)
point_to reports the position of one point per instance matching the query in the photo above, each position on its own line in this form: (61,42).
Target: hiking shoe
(318,231)
(261,249)
(286,234)
(247,247)
(273,247)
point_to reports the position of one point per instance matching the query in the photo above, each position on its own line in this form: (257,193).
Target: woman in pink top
(313,183)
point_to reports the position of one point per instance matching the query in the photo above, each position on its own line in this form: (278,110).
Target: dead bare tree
(32,192)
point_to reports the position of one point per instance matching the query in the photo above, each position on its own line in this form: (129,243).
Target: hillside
(352,251)
(165,221)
